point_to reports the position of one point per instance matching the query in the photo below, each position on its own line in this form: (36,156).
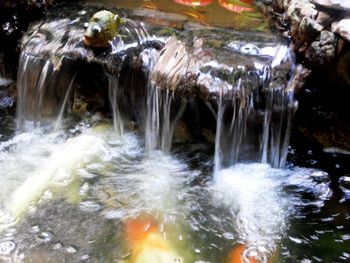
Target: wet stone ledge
(196,62)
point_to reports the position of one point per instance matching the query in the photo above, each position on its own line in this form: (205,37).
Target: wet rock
(319,33)
(215,60)
(342,28)
(343,5)
(309,29)
(306,23)
(199,68)
(15,17)
(322,52)
(324,19)
(297,9)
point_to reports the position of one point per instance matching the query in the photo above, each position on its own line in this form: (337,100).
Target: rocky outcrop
(319,31)
(214,60)
(320,34)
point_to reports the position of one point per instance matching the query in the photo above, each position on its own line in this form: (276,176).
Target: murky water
(274,213)
(237,14)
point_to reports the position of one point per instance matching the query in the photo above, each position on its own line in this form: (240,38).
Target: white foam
(260,205)
(5,82)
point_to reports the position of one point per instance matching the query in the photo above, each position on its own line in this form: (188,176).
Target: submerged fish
(147,244)
(102,29)
(237,255)
(194,2)
(237,6)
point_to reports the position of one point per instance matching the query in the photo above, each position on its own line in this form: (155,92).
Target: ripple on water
(6,247)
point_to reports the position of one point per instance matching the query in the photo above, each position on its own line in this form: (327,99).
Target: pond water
(88,171)
(237,14)
(96,189)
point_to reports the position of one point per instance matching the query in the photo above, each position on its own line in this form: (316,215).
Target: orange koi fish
(237,6)
(236,255)
(147,244)
(194,2)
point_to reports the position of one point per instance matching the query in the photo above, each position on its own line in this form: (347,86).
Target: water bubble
(197,250)
(71,249)
(35,229)
(57,246)
(346,237)
(296,240)
(90,206)
(228,235)
(45,236)
(6,247)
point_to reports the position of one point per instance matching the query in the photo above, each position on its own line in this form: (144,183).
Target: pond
(237,14)
(102,188)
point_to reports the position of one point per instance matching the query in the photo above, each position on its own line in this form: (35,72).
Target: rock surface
(318,30)
(342,5)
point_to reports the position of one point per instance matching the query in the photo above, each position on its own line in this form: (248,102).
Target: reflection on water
(237,14)
(102,175)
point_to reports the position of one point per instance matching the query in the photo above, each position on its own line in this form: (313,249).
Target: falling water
(254,119)
(41,96)
(217,154)
(278,118)
(64,105)
(160,122)
(113,89)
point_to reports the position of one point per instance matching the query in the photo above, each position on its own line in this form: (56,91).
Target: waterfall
(254,117)
(64,104)
(113,89)
(278,118)
(42,92)
(160,122)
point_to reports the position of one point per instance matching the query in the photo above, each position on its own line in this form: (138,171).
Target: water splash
(262,199)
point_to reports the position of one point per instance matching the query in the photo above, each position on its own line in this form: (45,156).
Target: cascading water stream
(64,106)
(240,134)
(160,122)
(40,97)
(113,91)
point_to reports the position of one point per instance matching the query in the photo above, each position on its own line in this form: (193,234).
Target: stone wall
(319,31)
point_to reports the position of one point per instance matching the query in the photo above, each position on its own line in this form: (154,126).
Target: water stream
(92,189)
